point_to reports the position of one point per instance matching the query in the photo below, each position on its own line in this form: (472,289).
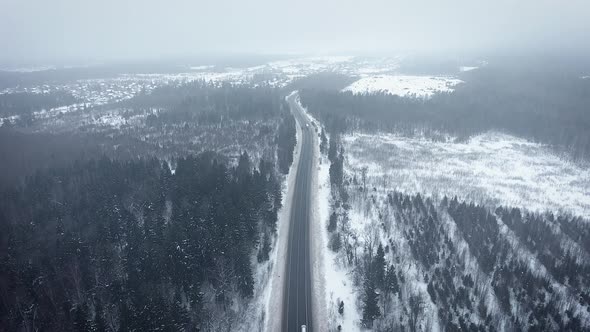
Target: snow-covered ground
(491,168)
(404,86)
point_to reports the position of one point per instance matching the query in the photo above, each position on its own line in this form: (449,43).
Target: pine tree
(99,325)
(335,242)
(244,277)
(81,318)
(244,166)
(323,142)
(371,304)
(264,249)
(179,316)
(336,171)
(333,149)
(333,223)
(379,267)
(391,283)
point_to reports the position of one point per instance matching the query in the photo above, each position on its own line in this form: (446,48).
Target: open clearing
(491,168)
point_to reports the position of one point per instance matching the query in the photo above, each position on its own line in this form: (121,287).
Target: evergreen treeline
(543,106)
(24,153)
(203,101)
(24,103)
(122,246)
(286,140)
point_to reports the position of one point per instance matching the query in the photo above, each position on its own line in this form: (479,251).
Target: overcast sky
(126,29)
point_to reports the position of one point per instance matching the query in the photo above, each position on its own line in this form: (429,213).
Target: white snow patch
(467,68)
(10,119)
(205,67)
(404,86)
(111,119)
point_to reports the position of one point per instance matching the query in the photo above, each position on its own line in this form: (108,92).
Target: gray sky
(117,29)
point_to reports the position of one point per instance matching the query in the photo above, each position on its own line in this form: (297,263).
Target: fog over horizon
(38,31)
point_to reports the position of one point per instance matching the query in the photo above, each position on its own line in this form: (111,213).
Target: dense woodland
(106,246)
(544,106)
(24,104)
(209,101)
(132,228)
(24,153)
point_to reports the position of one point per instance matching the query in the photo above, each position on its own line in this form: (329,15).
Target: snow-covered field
(492,168)
(404,86)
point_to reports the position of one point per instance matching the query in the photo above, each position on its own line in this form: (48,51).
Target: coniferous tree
(391,282)
(245,281)
(378,267)
(323,142)
(371,309)
(333,222)
(333,148)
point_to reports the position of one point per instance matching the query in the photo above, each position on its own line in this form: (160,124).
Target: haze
(38,30)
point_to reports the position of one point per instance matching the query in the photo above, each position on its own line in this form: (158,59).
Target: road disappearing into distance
(297,308)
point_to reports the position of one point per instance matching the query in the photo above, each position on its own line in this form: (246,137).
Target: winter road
(297,309)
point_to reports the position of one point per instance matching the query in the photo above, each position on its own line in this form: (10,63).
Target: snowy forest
(294,166)
(96,238)
(453,201)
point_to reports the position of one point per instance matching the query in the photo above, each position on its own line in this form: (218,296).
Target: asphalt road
(297,309)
